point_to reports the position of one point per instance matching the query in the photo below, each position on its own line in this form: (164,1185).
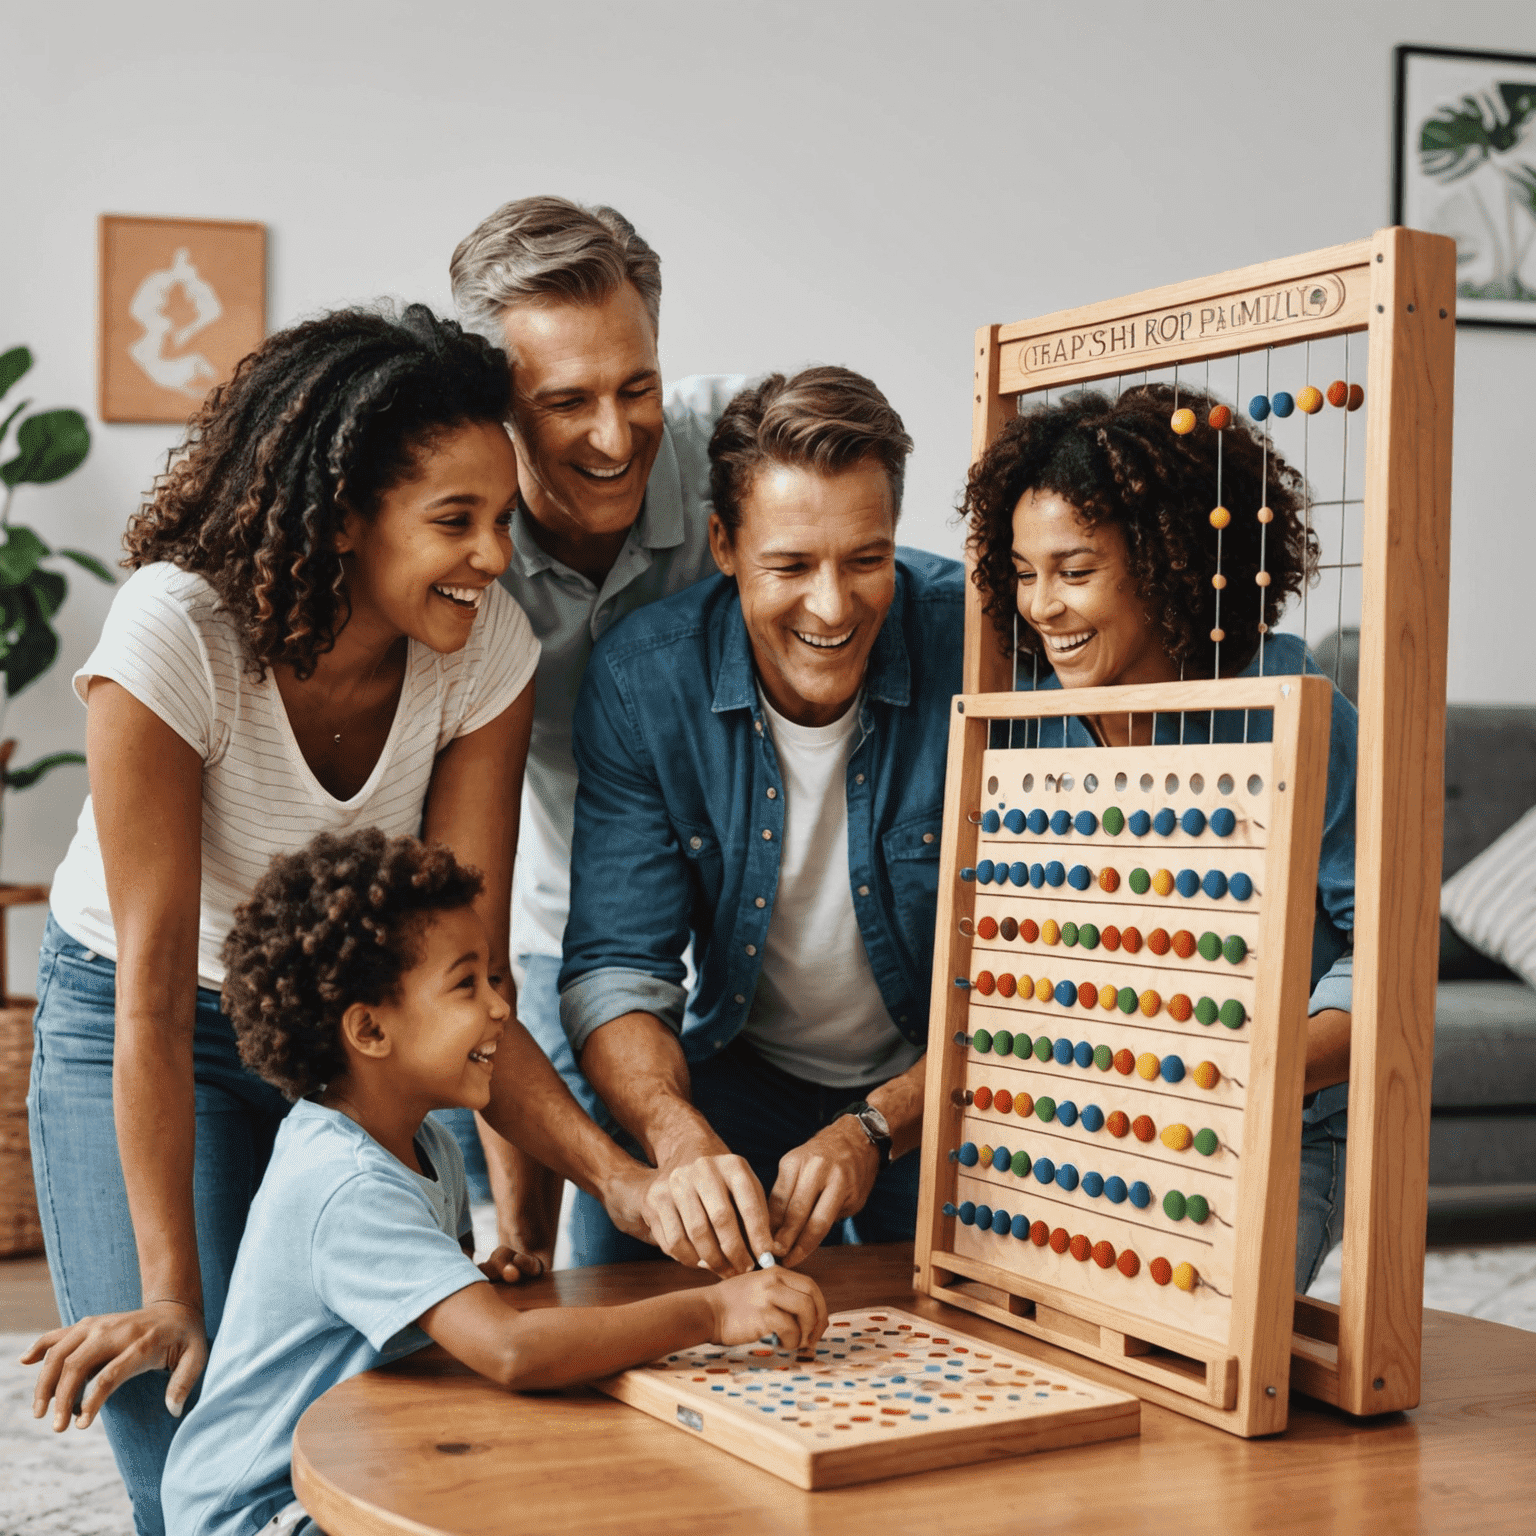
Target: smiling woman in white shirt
(312,640)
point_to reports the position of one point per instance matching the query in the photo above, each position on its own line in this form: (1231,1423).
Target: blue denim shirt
(677,838)
(1332,929)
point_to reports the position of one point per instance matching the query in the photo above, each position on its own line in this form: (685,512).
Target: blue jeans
(760,1113)
(1320,1211)
(92,1255)
(538,1010)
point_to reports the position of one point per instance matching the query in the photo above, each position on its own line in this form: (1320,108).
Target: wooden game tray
(819,1423)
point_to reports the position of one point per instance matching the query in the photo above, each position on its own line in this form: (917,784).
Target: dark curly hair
(319,420)
(338,922)
(1120,462)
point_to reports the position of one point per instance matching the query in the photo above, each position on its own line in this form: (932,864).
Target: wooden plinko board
(882,1395)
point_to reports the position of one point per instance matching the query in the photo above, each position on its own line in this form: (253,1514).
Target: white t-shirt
(168,641)
(817,1012)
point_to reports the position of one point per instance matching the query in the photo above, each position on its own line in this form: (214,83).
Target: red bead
(1029,930)
(1356,398)
(1104,1254)
(1161,1271)
(1184,943)
(987,928)
(1039,1234)
(1080,1248)
(1003,1101)
(1128,1264)
(1007,985)
(986,983)
(1158,941)
(1118,1123)
(1131,939)
(1110,937)
(1060,1240)
(982,1098)
(1142,1128)
(1087,994)
(1125,1062)
(1221,417)
(1338,392)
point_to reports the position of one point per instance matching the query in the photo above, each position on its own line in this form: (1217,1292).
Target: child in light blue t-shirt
(358,982)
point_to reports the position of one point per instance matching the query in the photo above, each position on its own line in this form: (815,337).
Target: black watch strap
(874,1126)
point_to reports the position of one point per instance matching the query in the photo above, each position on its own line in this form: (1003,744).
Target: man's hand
(819,1183)
(708,1211)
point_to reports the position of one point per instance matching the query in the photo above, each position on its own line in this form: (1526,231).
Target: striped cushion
(1491,902)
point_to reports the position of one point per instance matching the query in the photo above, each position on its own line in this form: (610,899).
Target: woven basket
(19,1229)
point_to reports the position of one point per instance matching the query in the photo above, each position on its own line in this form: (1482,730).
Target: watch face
(876,1121)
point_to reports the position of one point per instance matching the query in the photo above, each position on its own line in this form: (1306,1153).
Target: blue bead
(1045,1170)
(969,1156)
(967,1212)
(1021,1226)
(1061,822)
(1082,1054)
(1055,872)
(1139,823)
(1018,872)
(984,872)
(1037,875)
(1283,404)
(1173,1069)
(1066,1112)
(989,821)
(1093,1118)
(984,1216)
(1165,821)
(1215,884)
(1241,887)
(1193,821)
(1186,883)
(968,874)
(1258,408)
(1093,1184)
(1014,821)
(1001,1221)
(1141,1196)
(1038,821)
(949,1207)
(1001,1158)
(1223,822)
(1086,823)
(1000,873)
(1066,1176)
(1080,877)
(1114,1189)
(1062,1049)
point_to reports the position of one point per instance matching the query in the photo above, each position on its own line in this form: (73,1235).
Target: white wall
(857,183)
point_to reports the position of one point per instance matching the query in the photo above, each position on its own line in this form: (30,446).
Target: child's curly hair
(1119,461)
(338,922)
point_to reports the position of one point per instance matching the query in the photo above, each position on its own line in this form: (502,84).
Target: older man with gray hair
(613,514)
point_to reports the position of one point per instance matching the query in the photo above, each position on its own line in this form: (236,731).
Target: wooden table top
(426,1446)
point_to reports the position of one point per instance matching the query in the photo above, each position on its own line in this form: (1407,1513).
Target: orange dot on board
(1104,1254)
(1183,421)
(1142,1128)
(1221,417)
(1080,1248)
(982,1098)
(1338,393)
(1029,930)
(1125,1062)
(1148,1066)
(1266,514)
(1117,1123)
(986,983)
(1060,1238)
(1206,1075)
(987,928)
(1002,1101)
(1128,1264)
(1109,879)
(1309,400)
(1161,1271)
(1180,1009)
(1220,517)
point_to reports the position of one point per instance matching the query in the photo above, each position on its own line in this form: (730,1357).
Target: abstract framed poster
(1466,167)
(182,301)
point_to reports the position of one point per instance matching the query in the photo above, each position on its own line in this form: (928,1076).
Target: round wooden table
(426,1446)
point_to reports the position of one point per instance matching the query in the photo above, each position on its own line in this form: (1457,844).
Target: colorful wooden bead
(1104,1255)
(1219,582)
(1020,1228)
(1029,930)
(982,1098)
(983,1216)
(1258,407)
(1014,821)
(1085,823)
(1127,1000)
(1109,879)
(1140,823)
(1241,886)
(1177,1138)
(1079,877)
(1128,1264)
(1061,1051)
(1039,1233)
(1235,950)
(1103,1057)
(1022,1046)
(1262,579)
(1008,928)
(986,1154)
(1117,1123)
(1161,1271)
(1002,1101)
(1110,937)
(1146,1067)
(1130,940)
(1044,991)
(1183,421)
(1061,822)
(1023,1105)
(1206,1075)
(1338,393)
(1108,995)
(1159,942)
(1142,1128)
(1066,1175)
(1066,1113)
(1187,883)
(1019,872)
(1173,1205)
(1060,1238)
(1220,517)
(1206,1142)
(1172,1068)
(1214,885)
(1093,1122)
(1055,872)
(1150,1003)
(1183,943)
(1088,935)
(1007,985)
(1115,1190)
(1140,1194)
(1197,1208)
(1045,1109)
(1283,404)
(1206,1011)
(1218,635)
(1266,514)
(982,1040)
(985,983)
(1233,1014)
(1066,993)
(969,1156)
(1042,1048)
(1087,997)
(989,821)
(967,1212)
(1080,1248)
(984,871)
(1165,821)
(1002,1042)
(1082,1054)
(1114,821)
(1162,882)
(1186,1277)
(1310,400)
(1002,1159)
(1223,821)
(1221,417)
(987,928)
(1180,1008)
(1192,822)
(1356,398)
(1140,881)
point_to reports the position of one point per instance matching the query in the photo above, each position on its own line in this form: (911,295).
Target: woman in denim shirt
(1096,560)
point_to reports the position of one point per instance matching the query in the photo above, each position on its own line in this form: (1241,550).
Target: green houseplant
(46,446)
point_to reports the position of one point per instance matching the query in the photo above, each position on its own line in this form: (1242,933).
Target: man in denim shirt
(761,774)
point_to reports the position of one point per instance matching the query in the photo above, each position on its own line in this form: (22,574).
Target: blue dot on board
(1223,822)
(1066,1176)
(1140,823)
(984,872)
(1086,823)
(1014,821)
(1173,1069)
(1055,872)
(1114,1189)
(1093,1118)
(1164,822)
(989,821)
(1241,886)
(1066,1112)
(1215,884)
(1283,404)
(968,1212)
(969,1156)
(1193,821)
(1080,877)
(1045,1170)
(1258,407)
(1186,883)
(1093,1184)
(1141,1196)
(1002,1157)
(1062,1049)
(1082,1054)
(1018,873)
(1037,821)
(1061,822)
(1037,875)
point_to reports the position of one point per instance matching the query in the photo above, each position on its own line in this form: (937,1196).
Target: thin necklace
(351,719)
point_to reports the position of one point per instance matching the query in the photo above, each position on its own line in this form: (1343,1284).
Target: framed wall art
(1466,167)
(181,302)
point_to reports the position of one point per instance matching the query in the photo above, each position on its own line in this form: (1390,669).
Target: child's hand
(164,1336)
(768,1301)
(509,1267)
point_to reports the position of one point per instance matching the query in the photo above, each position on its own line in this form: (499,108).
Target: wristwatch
(874,1126)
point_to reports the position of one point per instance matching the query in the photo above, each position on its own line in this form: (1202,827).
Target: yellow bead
(1177,1138)
(1206,1075)
(1219,582)
(1186,1277)
(1266,514)
(1026,987)
(1050,933)
(1149,1003)
(1109,997)
(1183,422)
(986,1154)
(1044,991)
(1310,400)
(1263,578)
(1220,517)
(1162,883)
(1148,1066)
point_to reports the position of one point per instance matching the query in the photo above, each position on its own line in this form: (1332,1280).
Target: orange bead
(1148,1066)
(1029,930)
(1087,994)
(1206,1075)
(1356,398)
(987,928)
(1158,941)
(1007,985)
(1142,1128)
(1183,943)
(1150,1003)
(1104,1255)
(1080,1248)
(1221,417)
(1309,400)
(1218,635)
(1039,1234)
(1183,421)
(1220,517)
(1180,1009)
(1131,939)
(1002,1101)
(1262,579)
(1161,1271)
(1128,1264)
(1109,879)
(1023,1105)
(986,983)
(1117,1123)
(1125,1062)
(982,1098)
(1338,393)
(1110,937)
(1059,1240)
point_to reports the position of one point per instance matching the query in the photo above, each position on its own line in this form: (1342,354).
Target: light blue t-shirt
(344,1249)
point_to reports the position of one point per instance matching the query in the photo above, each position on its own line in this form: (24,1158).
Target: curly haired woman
(1096,561)
(312,641)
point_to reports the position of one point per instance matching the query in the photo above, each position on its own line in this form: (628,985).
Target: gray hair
(541,248)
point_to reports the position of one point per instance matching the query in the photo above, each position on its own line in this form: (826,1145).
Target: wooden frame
(1398,287)
(1224,1359)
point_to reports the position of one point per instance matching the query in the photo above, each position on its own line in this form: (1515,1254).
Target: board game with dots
(882,1394)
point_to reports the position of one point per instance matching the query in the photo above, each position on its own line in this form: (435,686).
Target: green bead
(1046,1108)
(1197,1209)
(1174,1205)
(1023,1046)
(1206,1010)
(1209,946)
(1069,934)
(1127,1000)
(1205,1142)
(982,1040)
(1021,1166)
(1088,936)
(1043,1050)
(1002,1042)
(1103,1057)
(1235,949)
(1114,821)
(1140,881)
(1233,1014)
